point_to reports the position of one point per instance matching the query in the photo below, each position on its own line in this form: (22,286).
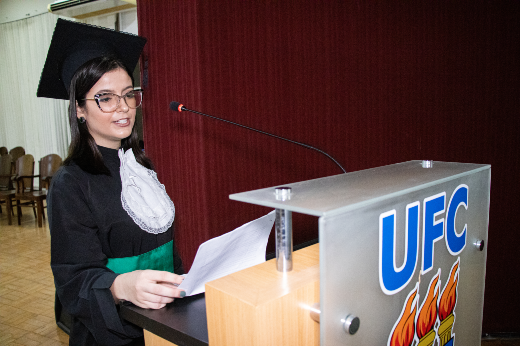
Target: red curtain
(370,82)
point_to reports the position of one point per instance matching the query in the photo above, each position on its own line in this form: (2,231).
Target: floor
(26,284)
(27,287)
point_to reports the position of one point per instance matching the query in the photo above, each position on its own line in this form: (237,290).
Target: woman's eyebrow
(113,91)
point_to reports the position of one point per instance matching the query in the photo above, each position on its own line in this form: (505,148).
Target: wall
(370,82)
(11,10)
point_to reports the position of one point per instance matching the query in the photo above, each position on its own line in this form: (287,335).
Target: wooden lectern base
(261,306)
(150,339)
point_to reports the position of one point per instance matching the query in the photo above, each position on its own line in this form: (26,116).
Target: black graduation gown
(88,225)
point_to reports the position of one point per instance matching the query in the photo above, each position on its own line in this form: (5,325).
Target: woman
(110,218)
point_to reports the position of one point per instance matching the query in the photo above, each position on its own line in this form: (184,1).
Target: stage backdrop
(370,82)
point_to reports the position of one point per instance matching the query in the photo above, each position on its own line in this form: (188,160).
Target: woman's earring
(82,120)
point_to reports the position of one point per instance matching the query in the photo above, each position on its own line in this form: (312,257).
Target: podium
(401,261)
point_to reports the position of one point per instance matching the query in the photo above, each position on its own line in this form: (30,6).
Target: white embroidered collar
(144,198)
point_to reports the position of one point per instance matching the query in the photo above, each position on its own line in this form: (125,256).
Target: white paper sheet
(239,249)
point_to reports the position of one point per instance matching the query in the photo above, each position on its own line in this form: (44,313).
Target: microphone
(179,107)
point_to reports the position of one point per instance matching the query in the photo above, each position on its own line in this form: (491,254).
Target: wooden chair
(48,167)
(3,151)
(6,178)
(7,198)
(26,195)
(6,186)
(16,153)
(24,179)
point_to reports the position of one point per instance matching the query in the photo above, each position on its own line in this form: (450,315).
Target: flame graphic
(404,329)
(449,293)
(428,312)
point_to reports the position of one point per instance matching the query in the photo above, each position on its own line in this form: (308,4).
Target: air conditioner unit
(82,9)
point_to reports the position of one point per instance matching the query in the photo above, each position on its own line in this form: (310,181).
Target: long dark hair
(83,149)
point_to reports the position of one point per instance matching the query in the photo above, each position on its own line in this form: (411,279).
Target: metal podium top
(337,194)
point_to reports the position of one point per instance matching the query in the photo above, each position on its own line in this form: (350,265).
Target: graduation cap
(73,44)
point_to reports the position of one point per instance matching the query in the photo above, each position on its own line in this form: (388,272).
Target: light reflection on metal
(315,312)
(283,228)
(284,247)
(351,324)
(427,163)
(283,193)
(479,244)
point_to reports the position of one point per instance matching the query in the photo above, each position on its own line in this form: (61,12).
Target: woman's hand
(149,289)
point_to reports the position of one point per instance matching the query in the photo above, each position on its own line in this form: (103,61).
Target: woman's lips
(122,122)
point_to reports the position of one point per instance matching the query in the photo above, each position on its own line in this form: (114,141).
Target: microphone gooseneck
(179,107)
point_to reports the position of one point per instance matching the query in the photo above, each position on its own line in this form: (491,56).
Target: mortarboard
(73,44)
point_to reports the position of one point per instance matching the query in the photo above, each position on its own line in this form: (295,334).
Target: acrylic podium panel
(402,251)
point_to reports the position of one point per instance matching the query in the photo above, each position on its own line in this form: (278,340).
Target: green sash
(160,258)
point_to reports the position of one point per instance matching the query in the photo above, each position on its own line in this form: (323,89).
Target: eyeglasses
(109,102)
